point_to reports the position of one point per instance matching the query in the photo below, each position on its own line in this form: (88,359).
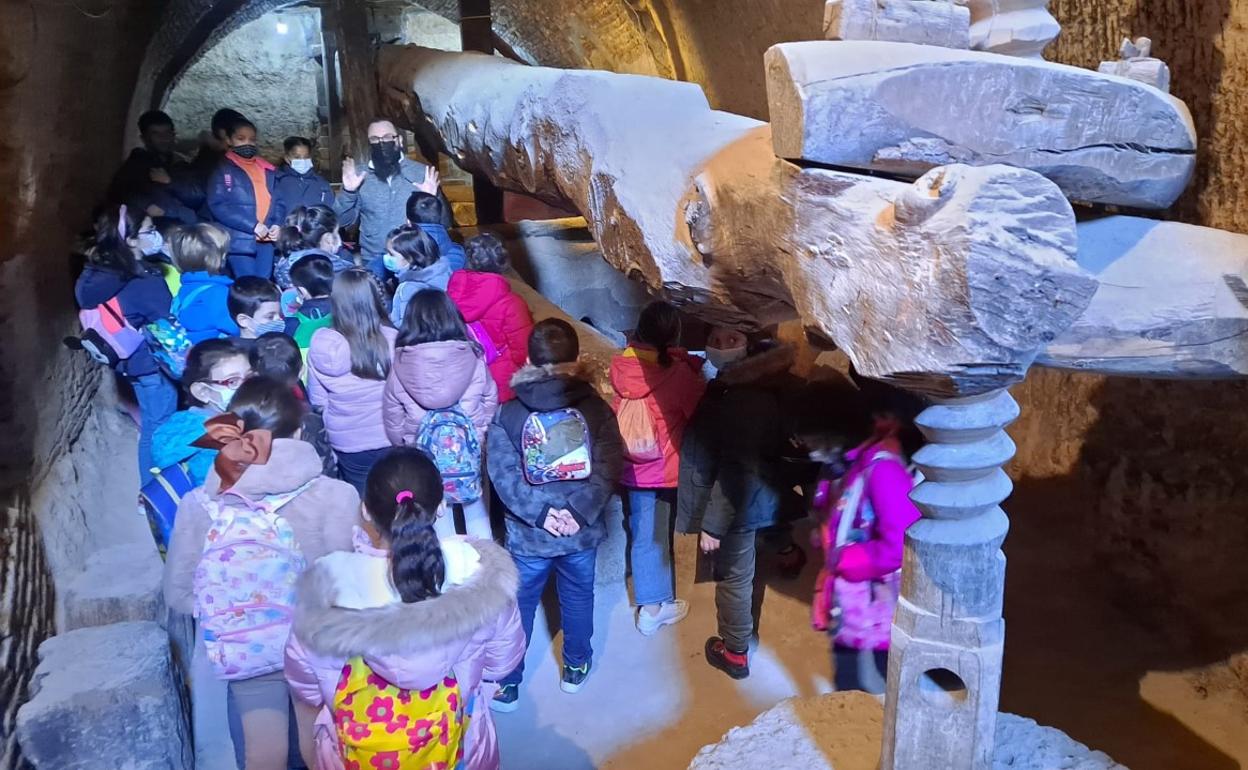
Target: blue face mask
(276,325)
(391,262)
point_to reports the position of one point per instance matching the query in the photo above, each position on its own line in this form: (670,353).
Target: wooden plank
(348,21)
(476,33)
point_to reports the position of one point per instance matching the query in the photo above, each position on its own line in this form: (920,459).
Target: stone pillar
(944,673)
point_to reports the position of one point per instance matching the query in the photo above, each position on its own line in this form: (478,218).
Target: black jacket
(543,389)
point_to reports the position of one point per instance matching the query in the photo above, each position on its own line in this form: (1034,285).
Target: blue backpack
(161,497)
(168,339)
(450,440)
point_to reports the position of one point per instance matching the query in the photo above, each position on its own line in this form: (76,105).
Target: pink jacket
(887,492)
(350,404)
(437,375)
(487,298)
(472,630)
(672,395)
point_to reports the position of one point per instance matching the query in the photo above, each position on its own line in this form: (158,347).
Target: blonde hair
(200,248)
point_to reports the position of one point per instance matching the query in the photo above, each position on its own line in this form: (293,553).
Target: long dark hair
(359,315)
(659,327)
(431,316)
(402,494)
(114,227)
(304,227)
(414,245)
(263,403)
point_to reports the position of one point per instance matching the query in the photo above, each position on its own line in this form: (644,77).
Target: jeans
(377,266)
(476,522)
(865,670)
(575,583)
(734,593)
(158,400)
(260,263)
(353,467)
(650,523)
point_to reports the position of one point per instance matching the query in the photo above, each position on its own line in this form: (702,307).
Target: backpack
(637,428)
(245,583)
(555,446)
(161,497)
(106,334)
(168,339)
(450,439)
(381,725)
(489,350)
(307,326)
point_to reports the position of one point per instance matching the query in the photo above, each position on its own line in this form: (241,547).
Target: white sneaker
(669,614)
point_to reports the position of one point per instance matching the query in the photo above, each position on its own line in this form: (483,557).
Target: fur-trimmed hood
(400,629)
(553,386)
(760,366)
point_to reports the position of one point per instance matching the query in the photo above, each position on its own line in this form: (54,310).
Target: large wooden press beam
(950,284)
(346,23)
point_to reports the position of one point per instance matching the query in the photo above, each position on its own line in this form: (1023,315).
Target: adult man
(376,196)
(154,178)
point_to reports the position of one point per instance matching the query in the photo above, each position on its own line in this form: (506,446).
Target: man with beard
(376,196)
(154,178)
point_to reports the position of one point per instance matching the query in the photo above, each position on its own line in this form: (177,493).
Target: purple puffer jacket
(437,375)
(472,630)
(351,405)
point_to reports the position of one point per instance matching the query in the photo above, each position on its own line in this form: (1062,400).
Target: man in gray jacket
(376,196)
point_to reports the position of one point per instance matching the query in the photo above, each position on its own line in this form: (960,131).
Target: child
(215,370)
(428,212)
(311,230)
(201,306)
(297,184)
(863,527)
(414,258)
(730,480)
(115,271)
(348,363)
(240,197)
(498,318)
(657,389)
(276,356)
(313,277)
(439,380)
(255,304)
(539,447)
(405,613)
(238,546)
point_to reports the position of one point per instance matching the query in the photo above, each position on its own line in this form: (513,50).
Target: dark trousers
(734,591)
(353,467)
(574,580)
(865,670)
(260,263)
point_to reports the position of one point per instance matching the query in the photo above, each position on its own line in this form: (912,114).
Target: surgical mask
(721,357)
(151,242)
(247,151)
(225,394)
(276,325)
(385,157)
(301,165)
(392,263)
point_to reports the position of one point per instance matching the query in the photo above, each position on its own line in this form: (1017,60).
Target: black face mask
(385,157)
(247,151)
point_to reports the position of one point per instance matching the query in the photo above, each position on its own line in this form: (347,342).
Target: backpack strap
(179,302)
(853,498)
(118,316)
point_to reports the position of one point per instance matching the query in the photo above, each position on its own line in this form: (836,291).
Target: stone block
(928,22)
(106,697)
(1153,72)
(119,583)
(1012,27)
(904,108)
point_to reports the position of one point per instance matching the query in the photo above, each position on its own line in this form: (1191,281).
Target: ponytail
(416,564)
(659,327)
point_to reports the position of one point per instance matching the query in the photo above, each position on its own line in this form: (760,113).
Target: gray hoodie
(379,206)
(436,276)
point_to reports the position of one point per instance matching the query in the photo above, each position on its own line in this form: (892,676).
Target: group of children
(332,438)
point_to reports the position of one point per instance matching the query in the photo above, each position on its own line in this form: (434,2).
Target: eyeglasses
(388,138)
(232,382)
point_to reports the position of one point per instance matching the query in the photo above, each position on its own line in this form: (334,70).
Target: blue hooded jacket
(143,299)
(451,251)
(232,201)
(294,189)
(173,439)
(202,306)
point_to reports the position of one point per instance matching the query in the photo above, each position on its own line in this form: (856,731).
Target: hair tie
(403,496)
(121,221)
(238,450)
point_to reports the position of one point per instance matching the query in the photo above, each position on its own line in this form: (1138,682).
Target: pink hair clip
(403,496)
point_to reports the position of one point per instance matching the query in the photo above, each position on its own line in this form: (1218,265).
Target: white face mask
(301,165)
(151,242)
(223,395)
(720,358)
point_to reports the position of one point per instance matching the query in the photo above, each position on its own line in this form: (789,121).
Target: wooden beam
(476,33)
(333,97)
(347,21)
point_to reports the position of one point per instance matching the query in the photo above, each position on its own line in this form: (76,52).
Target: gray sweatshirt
(379,206)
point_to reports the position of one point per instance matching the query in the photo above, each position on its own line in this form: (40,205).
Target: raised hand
(431,182)
(352,178)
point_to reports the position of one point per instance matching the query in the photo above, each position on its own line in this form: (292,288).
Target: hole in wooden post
(942,687)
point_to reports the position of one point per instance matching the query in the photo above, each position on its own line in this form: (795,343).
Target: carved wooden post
(944,673)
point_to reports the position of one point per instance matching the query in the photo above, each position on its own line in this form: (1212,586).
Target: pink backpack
(245,583)
(488,349)
(637,428)
(106,334)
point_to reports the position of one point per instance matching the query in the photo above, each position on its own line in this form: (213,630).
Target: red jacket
(487,298)
(672,394)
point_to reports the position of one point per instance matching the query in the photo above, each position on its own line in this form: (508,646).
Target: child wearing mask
(413,257)
(238,547)
(311,230)
(428,212)
(439,376)
(297,183)
(215,370)
(313,277)
(116,271)
(406,613)
(201,303)
(240,197)
(255,305)
(276,356)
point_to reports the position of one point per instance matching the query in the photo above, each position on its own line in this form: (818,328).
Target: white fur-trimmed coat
(472,629)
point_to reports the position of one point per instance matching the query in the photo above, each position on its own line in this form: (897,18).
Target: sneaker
(574,678)
(507,699)
(734,664)
(670,613)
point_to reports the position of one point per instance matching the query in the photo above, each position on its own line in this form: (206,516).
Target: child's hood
(437,275)
(475,293)
(330,353)
(292,463)
(554,386)
(98,285)
(436,374)
(198,277)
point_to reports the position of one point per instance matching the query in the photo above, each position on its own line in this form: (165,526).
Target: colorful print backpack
(555,446)
(450,439)
(637,428)
(170,345)
(245,583)
(384,727)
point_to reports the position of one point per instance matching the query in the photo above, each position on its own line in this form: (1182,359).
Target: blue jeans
(158,400)
(353,467)
(260,263)
(650,523)
(575,583)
